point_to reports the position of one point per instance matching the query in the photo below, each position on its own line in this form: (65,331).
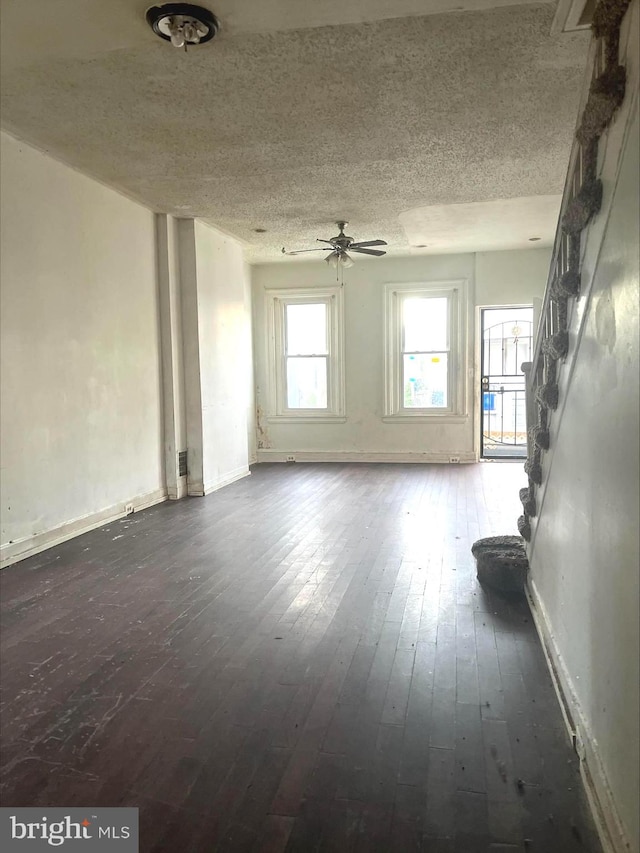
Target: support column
(169,286)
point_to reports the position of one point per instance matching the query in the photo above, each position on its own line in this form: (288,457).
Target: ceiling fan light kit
(183,24)
(339,260)
(340,246)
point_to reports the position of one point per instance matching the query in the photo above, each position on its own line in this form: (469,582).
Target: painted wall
(81,398)
(503,278)
(585,557)
(216,295)
(225,354)
(519,276)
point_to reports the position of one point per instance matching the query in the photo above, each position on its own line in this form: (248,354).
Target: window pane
(307,383)
(425,324)
(425,381)
(307,329)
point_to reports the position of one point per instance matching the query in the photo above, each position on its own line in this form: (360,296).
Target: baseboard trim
(15,551)
(231,477)
(267,455)
(552,657)
(178,490)
(199,490)
(599,794)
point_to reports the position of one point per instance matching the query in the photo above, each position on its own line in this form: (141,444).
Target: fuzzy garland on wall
(582,208)
(528,501)
(547,393)
(543,417)
(540,437)
(606,95)
(524,528)
(566,285)
(607,17)
(533,467)
(556,346)
(562,306)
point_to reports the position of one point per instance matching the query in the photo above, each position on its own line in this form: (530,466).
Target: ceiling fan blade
(302,251)
(319,240)
(367,243)
(366,251)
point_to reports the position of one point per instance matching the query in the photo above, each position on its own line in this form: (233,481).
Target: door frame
(477,363)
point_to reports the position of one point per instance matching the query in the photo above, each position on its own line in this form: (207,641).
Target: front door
(506,342)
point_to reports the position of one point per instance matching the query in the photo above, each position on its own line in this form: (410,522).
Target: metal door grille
(506,344)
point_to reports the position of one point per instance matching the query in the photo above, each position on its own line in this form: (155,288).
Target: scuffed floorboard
(302,661)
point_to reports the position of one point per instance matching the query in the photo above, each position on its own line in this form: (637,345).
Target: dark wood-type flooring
(302,661)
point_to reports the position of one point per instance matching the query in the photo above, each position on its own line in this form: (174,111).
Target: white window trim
(276,302)
(457,293)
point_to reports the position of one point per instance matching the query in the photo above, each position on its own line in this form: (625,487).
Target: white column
(191,356)
(171,353)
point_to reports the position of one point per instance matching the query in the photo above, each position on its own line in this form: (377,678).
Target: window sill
(444,418)
(307,419)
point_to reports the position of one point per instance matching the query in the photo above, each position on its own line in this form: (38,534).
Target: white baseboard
(231,477)
(267,455)
(600,796)
(199,490)
(177,491)
(12,552)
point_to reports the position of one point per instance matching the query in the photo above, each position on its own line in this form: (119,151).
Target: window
(305,339)
(425,351)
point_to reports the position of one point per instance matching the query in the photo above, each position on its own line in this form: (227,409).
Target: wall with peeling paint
(81,411)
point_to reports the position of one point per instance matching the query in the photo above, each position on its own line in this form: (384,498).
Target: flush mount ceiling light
(183,24)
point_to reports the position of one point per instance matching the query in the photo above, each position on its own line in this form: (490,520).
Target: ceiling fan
(340,246)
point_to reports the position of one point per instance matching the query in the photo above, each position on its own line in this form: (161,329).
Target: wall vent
(182,463)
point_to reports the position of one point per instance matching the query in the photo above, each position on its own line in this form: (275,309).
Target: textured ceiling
(287,123)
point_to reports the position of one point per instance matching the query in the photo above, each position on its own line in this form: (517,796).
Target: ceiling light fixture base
(183,24)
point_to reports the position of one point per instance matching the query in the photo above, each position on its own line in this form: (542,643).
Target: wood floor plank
(303,660)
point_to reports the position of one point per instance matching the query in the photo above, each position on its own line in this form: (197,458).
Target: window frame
(277,302)
(457,306)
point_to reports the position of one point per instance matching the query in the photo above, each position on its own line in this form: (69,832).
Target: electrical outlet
(454,459)
(291,458)
(128,508)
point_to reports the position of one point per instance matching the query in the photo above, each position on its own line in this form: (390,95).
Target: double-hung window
(425,351)
(306,354)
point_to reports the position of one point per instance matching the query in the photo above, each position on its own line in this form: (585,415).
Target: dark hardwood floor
(302,661)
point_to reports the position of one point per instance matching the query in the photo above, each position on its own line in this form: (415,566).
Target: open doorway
(507,335)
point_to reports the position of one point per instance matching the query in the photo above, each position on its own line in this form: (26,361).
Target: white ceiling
(415,121)
(513,223)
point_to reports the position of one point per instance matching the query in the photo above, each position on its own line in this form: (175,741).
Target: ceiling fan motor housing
(342,240)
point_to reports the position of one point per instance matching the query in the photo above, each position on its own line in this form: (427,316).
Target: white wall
(519,276)
(503,278)
(585,557)
(224,332)
(218,370)
(81,407)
